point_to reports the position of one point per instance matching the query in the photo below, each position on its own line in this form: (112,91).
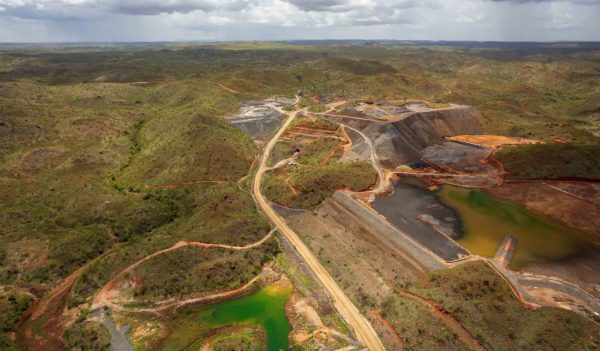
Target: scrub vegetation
(317,172)
(12,306)
(552,161)
(85,336)
(495,318)
(307,186)
(418,328)
(193,270)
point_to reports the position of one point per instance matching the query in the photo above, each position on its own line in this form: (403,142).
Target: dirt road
(361,327)
(381,185)
(101,297)
(50,312)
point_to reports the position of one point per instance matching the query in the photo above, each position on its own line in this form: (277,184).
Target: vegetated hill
(552,161)
(319,172)
(541,93)
(83,167)
(13,304)
(485,305)
(314,184)
(99,145)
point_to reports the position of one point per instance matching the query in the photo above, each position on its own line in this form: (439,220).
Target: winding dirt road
(102,296)
(361,327)
(381,185)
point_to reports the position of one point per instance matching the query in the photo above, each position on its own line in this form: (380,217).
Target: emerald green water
(264,308)
(487,220)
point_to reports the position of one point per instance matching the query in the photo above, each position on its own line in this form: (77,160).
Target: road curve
(361,327)
(381,184)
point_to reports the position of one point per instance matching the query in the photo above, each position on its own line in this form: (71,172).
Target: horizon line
(298,40)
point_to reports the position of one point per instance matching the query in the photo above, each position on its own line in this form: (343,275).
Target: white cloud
(120,20)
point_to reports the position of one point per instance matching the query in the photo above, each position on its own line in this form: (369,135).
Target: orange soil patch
(226,88)
(310,130)
(302,131)
(177,185)
(49,313)
(295,191)
(329,155)
(394,336)
(348,145)
(492,141)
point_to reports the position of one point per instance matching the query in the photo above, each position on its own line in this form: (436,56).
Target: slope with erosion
(400,139)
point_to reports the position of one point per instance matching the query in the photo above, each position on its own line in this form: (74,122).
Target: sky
(221,20)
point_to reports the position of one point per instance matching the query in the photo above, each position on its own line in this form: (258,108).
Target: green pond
(264,308)
(487,220)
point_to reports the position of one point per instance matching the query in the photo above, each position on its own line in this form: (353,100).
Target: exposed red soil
(317,132)
(574,204)
(295,191)
(48,314)
(177,185)
(393,336)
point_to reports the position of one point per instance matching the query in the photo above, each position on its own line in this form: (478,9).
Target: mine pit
(257,118)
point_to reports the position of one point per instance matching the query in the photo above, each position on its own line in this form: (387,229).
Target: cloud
(322,5)
(120,20)
(581,2)
(154,7)
(85,8)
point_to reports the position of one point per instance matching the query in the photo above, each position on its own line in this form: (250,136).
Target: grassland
(485,305)
(318,176)
(191,270)
(87,336)
(418,328)
(12,305)
(551,161)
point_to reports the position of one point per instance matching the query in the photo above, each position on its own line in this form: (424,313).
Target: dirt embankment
(412,134)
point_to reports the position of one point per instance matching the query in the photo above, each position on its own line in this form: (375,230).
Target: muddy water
(264,308)
(407,204)
(486,221)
